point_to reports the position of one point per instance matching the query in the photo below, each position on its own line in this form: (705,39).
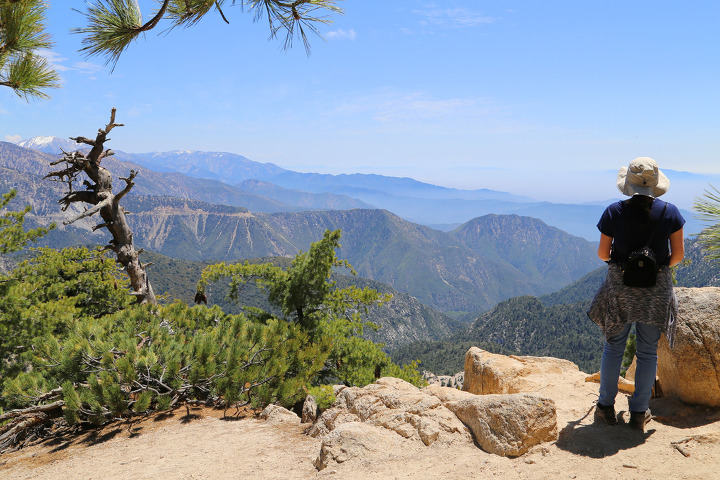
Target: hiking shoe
(638,420)
(605,414)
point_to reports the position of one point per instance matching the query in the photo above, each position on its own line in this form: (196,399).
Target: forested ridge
(553,325)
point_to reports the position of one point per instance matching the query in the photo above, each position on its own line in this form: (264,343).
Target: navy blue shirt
(629,234)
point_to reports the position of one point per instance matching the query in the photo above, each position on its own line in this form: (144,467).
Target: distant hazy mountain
(418,202)
(151,182)
(299,198)
(415,201)
(228,168)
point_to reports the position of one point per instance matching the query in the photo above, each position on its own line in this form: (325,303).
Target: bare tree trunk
(101,196)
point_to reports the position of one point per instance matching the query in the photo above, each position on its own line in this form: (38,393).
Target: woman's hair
(640,207)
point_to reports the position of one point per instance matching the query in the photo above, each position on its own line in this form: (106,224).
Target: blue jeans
(646,353)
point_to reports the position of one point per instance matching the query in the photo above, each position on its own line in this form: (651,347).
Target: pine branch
(29,76)
(112,26)
(22,33)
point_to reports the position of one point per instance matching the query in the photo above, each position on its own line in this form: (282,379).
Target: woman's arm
(677,247)
(604,248)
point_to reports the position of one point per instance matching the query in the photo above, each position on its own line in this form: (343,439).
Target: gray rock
(356,440)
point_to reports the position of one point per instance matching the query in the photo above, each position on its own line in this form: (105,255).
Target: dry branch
(31,410)
(99,193)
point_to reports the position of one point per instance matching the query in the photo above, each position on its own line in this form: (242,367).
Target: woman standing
(625,227)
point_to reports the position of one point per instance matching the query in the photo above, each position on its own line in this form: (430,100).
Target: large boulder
(508,425)
(396,414)
(397,406)
(691,370)
(490,373)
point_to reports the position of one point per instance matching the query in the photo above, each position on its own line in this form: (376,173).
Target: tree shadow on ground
(599,440)
(94,437)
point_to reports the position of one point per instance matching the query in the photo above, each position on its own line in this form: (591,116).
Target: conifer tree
(709,208)
(22,34)
(306,296)
(13,236)
(46,294)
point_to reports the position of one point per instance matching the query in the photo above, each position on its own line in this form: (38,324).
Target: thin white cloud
(394,107)
(416,106)
(59,63)
(453,17)
(13,138)
(87,67)
(342,34)
(54,59)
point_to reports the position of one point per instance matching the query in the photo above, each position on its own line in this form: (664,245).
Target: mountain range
(523,286)
(471,268)
(235,177)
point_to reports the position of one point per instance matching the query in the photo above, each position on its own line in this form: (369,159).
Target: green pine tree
(48,293)
(306,296)
(13,236)
(708,206)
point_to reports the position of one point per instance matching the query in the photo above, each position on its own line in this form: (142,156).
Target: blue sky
(536,98)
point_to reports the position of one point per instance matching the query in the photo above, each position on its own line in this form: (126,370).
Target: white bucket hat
(642,177)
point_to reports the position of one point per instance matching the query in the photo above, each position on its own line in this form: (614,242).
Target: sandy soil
(683,442)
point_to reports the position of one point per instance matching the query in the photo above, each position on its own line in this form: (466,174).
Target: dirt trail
(682,443)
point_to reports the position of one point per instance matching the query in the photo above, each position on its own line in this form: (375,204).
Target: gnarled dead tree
(100,195)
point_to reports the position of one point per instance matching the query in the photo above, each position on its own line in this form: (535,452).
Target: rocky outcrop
(385,414)
(452,381)
(490,373)
(691,370)
(398,406)
(356,440)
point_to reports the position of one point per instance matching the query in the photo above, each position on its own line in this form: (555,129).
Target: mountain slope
(221,166)
(433,266)
(543,253)
(412,200)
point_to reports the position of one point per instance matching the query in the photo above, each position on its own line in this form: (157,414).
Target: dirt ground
(682,442)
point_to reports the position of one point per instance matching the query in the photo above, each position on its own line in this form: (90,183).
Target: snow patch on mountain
(54,145)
